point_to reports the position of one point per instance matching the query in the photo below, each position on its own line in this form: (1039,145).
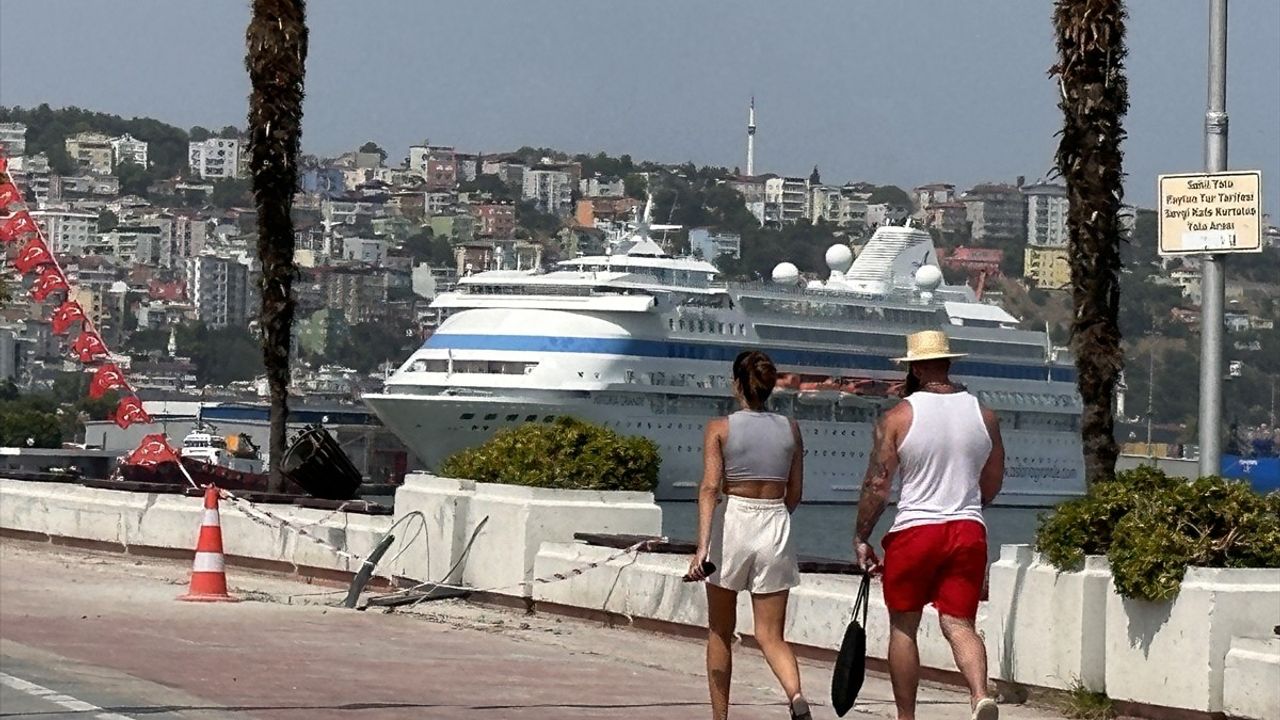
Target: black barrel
(317,464)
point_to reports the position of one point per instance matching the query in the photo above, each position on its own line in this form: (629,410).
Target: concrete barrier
(172,522)
(1046,628)
(1174,653)
(649,586)
(1042,628)
(1210,650)
(1251,678)
(521,519)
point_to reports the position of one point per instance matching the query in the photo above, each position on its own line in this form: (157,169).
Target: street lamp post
(1213,266)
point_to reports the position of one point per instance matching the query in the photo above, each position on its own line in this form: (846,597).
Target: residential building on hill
(786,200)
(886,213)
(711,245)
(1048,268)
(933,194)
(371,251)
(604,212)
(550,190)
(13,139)
(995,213)
(494,220)
(68,232)
(219,289)
(600,186)
(216,158)
(1046,264)
(91,151)
(128,149)
(1046,212)
(437,164)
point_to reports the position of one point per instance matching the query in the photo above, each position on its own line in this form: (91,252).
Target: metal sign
(1210,213)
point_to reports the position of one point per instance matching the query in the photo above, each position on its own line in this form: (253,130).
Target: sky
(904,92)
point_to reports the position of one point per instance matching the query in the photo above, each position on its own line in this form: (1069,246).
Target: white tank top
(941,459)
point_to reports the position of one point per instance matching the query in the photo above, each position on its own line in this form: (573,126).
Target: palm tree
(1095,98)
(276,58)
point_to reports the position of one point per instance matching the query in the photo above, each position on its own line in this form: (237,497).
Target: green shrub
(567,454)
(1083,526)
(1152,528)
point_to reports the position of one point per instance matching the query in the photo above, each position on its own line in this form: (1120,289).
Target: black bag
(851,663)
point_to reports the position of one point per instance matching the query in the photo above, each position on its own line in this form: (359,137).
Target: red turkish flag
(35,254)
(130,412)
(67,315)
(51,280)
(9,196)
(89,346)
(153,450)
(106,378)
(18,225)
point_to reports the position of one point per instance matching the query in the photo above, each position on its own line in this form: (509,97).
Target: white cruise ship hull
(643,345)
(835,453)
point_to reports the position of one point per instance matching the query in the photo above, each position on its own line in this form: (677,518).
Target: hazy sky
(903,92)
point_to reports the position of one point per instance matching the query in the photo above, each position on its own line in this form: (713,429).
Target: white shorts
(751,546)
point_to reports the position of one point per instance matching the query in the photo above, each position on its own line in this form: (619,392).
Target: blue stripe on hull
(694,351)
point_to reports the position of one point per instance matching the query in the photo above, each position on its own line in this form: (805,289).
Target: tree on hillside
(47,131)
(230,192)
(134,179)
(490,184)
(373,147)
(276,61)
(891,194)
(229,132)
(425,247)
(199,134)
(1094,100)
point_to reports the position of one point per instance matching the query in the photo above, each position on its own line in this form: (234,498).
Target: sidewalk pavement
(105,629)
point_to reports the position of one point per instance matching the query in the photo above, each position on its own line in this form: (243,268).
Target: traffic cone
(208,574)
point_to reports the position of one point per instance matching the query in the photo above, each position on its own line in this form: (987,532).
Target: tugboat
(230,462)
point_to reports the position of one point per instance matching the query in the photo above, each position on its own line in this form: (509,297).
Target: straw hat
(928,345)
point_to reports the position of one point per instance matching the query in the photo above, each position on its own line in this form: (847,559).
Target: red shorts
(942,563)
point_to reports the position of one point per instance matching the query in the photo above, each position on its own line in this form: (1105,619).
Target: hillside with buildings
(156,227)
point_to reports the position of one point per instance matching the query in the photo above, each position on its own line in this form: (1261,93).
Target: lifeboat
(819,393)
(855,391)
(787,384)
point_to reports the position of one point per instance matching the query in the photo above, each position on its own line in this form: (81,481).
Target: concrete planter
(1045,628)
(521,519)
(1174,653)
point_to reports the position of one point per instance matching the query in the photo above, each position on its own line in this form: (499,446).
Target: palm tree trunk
(1095,98)
(276,57)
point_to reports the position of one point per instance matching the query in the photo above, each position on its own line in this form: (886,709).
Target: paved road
(96,635)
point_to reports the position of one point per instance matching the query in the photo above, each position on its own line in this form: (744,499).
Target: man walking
(948,451)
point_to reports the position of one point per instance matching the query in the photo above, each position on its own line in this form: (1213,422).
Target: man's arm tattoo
(875,487)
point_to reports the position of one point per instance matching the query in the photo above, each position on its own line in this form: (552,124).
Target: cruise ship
(642,342)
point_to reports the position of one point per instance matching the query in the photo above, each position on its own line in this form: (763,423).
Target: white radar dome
(839,258)
(928,278)
(785,272)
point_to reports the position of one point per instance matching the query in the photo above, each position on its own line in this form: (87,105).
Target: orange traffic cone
(208,574)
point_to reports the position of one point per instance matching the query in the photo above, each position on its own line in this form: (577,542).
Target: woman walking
(756,459)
